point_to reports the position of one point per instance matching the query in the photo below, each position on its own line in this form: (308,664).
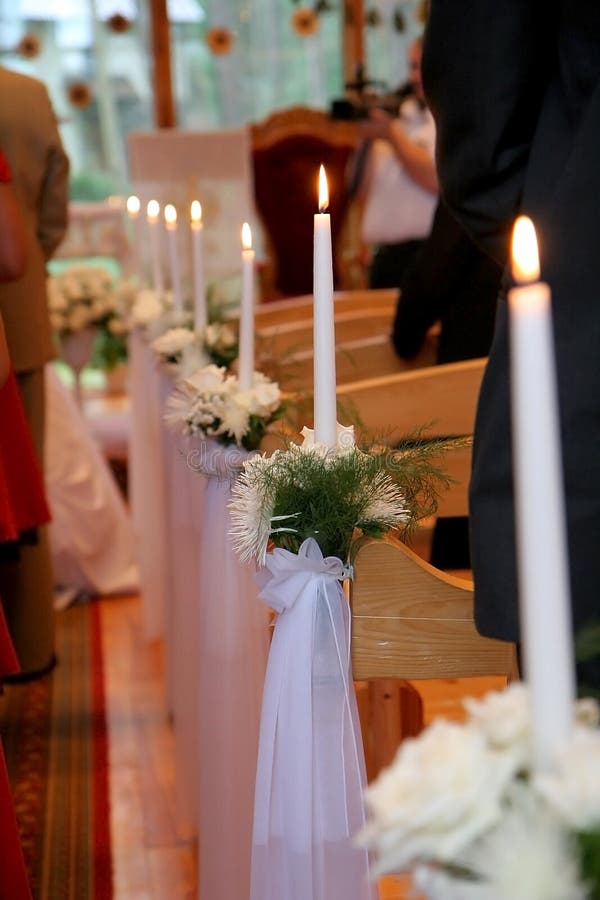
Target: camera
(350,109)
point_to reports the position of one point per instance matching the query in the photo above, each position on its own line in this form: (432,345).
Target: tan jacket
(30,140)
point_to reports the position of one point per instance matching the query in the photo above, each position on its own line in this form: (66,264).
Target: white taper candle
(246,339)
(325,419)
(542,559)
(200,311)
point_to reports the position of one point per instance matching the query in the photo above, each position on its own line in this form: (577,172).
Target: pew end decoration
(295,513)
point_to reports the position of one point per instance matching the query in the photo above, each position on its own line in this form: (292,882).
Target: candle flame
(323,190)
(170,214)
(153,209)
(133,205)
(525,258)
(196,211)
(246,237)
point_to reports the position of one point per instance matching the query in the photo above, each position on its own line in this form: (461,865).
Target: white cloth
(91,538)
(311,771)
(396,207)
(147,485)
(232,647)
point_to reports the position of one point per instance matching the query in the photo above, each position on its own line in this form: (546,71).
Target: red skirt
(22,501)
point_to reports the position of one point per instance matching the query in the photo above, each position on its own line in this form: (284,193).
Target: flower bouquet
(464,811)
(209,404)
(295,513)
(78,298)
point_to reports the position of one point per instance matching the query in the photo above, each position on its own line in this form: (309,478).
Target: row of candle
(246,334)
(542,555)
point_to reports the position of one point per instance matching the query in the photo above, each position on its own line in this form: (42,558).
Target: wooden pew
(409,620)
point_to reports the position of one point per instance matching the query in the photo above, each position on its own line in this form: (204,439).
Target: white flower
(205,380)
(263,398)
(117,327)
(219,334)
(146,308)
(192,358)
(251,508)
(572,788)
(528,855)
(345,439)
(172,342)
(234,418)
(442,792)
(386,503)
(505,720)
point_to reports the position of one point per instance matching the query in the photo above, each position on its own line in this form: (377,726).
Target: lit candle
(171,227)
(133,212)
(324,332)
(200,313)
(152,217)
(545,610)
(246,351)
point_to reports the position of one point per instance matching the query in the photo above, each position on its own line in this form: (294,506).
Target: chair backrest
(214,167)
(97,230)
(412,621)
(287,150)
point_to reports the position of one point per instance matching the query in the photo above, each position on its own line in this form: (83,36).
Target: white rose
(117,327)
(441,793)
(505,720)
(173,341)
(206,380)
(572,788)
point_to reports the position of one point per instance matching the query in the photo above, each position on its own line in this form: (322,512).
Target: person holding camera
(398,187)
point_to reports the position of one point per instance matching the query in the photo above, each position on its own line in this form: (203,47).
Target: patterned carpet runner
(55,741)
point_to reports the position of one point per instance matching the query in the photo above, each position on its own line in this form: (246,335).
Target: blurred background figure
(453,283)
(33,148)
(395,180)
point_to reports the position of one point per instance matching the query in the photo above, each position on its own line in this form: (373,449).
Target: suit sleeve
(486,67)
(54,199)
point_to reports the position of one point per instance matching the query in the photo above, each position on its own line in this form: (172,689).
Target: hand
(378,125)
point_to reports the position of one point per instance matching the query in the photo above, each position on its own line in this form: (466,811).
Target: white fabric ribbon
(221,461)
(310,776)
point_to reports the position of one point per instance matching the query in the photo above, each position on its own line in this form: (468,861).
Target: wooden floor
(153,860)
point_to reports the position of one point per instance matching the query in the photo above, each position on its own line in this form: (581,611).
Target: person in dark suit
(514,86)
(30,139)
(453,282)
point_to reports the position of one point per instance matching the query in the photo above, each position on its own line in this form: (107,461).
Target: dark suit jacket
(453,281)
(514,86)
(30,140)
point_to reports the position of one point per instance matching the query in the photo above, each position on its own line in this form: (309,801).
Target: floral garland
(463,810)
(211,405)
(312,491)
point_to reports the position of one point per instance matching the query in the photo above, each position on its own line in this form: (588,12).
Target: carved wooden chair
(287,150)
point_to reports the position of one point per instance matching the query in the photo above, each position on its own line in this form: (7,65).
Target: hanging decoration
(118,23)
(372,18)
(29,46)
(398,20)
(305,21)
(79,94)
(219,40)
